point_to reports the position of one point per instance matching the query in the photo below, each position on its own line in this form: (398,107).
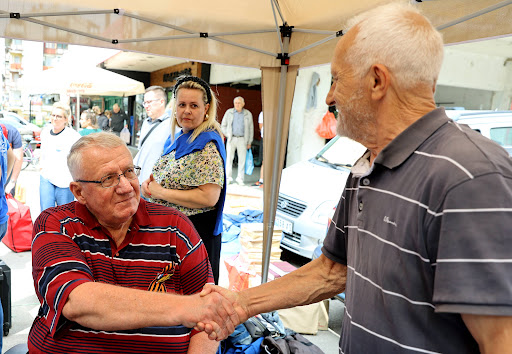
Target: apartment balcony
(15,67)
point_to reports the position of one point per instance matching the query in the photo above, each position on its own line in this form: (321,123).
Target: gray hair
(102,139)
(159,92)
(398,36)
(239,98)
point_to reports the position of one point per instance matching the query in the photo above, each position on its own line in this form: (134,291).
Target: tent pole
(276,170)
(475,14)
(77,112)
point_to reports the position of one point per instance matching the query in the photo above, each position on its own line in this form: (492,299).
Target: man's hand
(248,146)
(236,302)
(215,311)
(9,186)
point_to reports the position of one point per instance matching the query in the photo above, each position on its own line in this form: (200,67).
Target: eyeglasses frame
(137,173)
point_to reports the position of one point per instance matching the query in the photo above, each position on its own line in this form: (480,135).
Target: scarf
(183,147)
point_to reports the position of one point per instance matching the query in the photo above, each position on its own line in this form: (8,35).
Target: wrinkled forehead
(342,49)
(100,161)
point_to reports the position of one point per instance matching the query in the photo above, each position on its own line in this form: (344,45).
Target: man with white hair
(238,127)
(420,241)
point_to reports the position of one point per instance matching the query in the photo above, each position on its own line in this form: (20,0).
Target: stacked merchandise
(251,242)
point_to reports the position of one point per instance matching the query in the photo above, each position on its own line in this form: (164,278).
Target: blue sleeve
(14,137)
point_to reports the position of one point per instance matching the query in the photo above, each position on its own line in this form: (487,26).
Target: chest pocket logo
(158,284)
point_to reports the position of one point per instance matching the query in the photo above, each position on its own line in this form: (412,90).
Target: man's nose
(329,99)
(124,185)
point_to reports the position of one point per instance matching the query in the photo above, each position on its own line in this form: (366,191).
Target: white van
(496,126)
(310,191)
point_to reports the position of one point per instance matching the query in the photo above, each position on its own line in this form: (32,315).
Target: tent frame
(283,33)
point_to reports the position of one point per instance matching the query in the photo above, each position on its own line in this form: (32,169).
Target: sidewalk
(25,303)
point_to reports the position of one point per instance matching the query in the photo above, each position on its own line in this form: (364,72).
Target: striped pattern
(161,244)
(425,233)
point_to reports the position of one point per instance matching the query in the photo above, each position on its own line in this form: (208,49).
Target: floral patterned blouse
(189,172)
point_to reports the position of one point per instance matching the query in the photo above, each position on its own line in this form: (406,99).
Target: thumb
(151,178)
(207,289)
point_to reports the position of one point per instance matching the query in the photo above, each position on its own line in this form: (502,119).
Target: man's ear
(77,190)
(380,81)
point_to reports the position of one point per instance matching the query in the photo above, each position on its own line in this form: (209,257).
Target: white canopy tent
(277,36)
(85,80)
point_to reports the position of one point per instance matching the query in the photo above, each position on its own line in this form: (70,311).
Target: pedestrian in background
(56,141)
(119,120)
(6,164)
(190,176)
(14,139)
(237,126)
(259,183)
(88,123)
(155,130)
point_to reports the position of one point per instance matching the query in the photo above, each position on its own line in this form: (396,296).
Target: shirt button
(366,182)
(360,206)
(117,254)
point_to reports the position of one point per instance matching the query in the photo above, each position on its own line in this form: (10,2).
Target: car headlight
(324,212)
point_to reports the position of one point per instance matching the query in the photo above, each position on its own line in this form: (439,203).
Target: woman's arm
(203,196)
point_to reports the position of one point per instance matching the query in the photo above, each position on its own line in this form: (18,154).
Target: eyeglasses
(147,103)
(56,116)
(113,179)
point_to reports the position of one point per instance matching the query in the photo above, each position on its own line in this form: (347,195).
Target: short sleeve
(334,246)
(474,262)
(58,267)
(205,166)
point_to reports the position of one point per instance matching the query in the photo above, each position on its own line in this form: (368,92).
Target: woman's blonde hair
(211,115)
(65,110)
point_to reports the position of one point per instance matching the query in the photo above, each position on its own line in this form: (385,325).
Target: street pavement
(25,303)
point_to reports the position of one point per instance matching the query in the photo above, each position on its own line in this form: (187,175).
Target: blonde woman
(56,142)
(190,176)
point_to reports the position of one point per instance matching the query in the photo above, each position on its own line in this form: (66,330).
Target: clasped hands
(220,313)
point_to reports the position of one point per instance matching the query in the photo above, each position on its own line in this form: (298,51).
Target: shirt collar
(163,117)
(402,146)
(141,216)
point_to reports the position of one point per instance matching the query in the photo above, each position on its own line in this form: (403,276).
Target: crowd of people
(126,251)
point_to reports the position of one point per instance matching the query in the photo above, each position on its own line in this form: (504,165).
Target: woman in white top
(55,145)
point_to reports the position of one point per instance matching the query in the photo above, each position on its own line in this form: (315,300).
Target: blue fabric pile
(232,227)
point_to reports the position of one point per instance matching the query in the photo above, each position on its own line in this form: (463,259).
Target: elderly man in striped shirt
(117,274)
(421,238)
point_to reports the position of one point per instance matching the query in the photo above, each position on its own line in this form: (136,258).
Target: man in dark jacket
(119,120)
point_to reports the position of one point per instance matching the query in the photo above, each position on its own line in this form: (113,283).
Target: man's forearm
(18,154)
(200,343)
(108,307)
(318,280)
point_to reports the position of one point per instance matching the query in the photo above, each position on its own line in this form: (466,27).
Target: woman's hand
(146,192)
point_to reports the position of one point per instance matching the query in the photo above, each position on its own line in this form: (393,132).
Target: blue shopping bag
(249,162)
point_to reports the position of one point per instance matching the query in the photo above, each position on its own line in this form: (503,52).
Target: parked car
(25,128)
(496,126)
(309,193)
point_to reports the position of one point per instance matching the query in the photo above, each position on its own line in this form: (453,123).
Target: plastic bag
(125,135)
(249,162)
(327,127)
(19,226)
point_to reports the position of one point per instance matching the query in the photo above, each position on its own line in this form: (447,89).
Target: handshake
(217,311)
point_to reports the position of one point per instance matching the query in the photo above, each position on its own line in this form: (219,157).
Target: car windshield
(341,151)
